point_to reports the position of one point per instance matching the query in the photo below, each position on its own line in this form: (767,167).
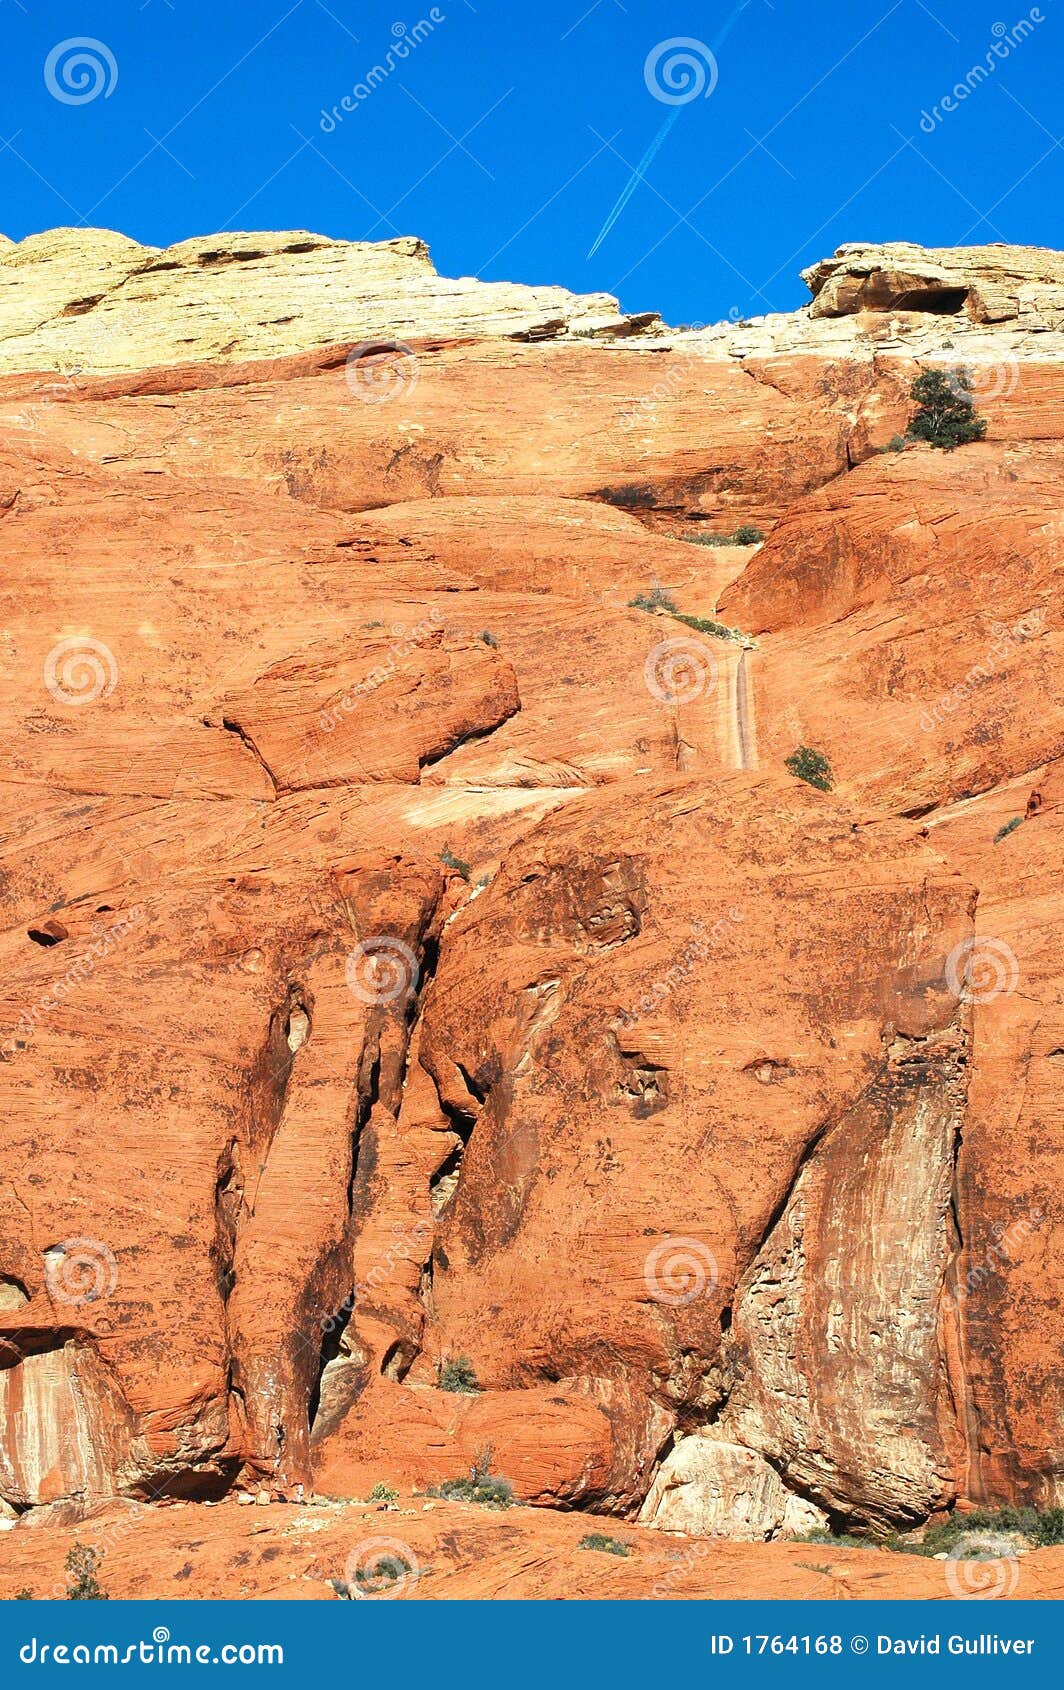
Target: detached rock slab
(710,1489)
(372,709)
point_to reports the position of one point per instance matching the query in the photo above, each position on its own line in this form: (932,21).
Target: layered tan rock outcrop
(416,952)
(94,301)
(995,284)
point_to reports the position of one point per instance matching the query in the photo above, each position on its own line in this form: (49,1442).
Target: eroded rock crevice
(720,1251)
(290,1189)
(834,1353)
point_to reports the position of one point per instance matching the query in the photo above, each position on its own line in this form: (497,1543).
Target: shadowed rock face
(419,960)
(992,283)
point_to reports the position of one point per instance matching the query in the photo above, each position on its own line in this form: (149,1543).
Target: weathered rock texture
(96,301)
(458,1552)
(994,284)
(418,957)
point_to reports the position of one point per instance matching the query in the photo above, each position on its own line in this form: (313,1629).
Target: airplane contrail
(636,177)
(659,140)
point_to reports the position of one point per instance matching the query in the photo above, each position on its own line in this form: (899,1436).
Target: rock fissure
(509,1012)
(877,1332)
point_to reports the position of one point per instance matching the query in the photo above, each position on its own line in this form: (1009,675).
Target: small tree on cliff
(82,1566)
(946,413)
(812,767)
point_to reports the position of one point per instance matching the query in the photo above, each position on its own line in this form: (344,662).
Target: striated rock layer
(96,301)
(439,1033)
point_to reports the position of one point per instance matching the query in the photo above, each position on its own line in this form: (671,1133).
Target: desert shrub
(489,638)
(628,498)
(945,414)
(1009,827)
(811,766)
(483,1486)
(458,1374)
(383,1493)
(745,535)
(1042,1528)
(839,1540)
(706,625)
(656,599)
(460,866)
(1047,1528)
(896,443)
(488,1490)
(388,1570)
(82,1565)
(609,1545)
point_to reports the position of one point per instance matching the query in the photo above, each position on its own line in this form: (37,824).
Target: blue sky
(506,132)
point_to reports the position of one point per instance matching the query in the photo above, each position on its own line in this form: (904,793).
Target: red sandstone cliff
(414,950)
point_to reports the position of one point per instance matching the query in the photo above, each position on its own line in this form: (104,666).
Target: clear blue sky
(507,133)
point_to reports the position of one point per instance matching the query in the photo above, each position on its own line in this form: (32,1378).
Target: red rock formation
(419,958)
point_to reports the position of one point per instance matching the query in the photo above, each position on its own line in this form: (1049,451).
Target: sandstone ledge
(96,301)
(92,302)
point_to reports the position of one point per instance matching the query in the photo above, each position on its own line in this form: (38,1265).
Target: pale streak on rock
(709,1488)
(835,1362)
